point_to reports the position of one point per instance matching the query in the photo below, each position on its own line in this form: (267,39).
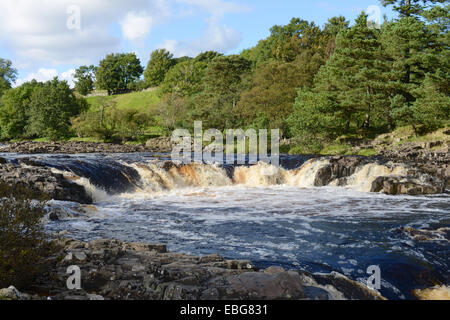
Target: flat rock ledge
(117,270)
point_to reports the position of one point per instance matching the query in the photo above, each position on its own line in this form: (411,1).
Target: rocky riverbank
(116,270)
(153,145)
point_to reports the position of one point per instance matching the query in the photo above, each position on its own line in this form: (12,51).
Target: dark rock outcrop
(432,158)
(407,185)
(413,181)
(42,181)
(340,167)
(116,270)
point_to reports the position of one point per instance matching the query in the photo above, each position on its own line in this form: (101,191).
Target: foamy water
(317,229)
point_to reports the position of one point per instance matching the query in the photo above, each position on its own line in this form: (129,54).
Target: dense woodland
(315,83)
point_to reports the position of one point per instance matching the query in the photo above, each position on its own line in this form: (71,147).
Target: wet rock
(315,293)
(43,181)
(351,290)
(10,293)
(266,286)
(407,186)
(211,258)
(435,293)
(441,234)
(145,247)
(339,169)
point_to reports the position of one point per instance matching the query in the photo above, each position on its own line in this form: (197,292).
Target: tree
(208,56)
(331,30)
(431,110)
(409,8)
(315,120)
(160,63)
(415,52)
(7,75)
(355,75)
(348,91)
(24,244)
(51,108)
(184,79)
(85,79)
(15,108)
(117,72)
(224,80)
(172,111)
(285,43)
(273,93)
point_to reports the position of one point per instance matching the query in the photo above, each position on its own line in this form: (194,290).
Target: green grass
(93,140)
(336,149)
(367,152)
(142,101)
(406,134)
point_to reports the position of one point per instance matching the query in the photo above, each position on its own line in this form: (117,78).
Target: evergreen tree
(354,76)
(409,8)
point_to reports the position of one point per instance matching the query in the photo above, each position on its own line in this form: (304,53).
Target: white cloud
(217,37)
(43,75)
(38,30)
(136,26)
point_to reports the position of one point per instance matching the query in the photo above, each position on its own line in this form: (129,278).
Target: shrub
(23,243)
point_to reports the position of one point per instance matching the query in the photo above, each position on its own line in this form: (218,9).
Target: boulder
(10,293)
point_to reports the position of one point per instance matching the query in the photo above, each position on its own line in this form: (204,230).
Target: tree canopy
(117,72)
(160,63)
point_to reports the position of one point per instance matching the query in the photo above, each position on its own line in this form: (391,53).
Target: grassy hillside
(143,100)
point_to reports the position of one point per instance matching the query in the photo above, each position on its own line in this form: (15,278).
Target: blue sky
(47,38)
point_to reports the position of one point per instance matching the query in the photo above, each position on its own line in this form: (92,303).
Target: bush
(23,243)
(113,124)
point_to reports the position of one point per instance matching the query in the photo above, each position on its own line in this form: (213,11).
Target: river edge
(117,270)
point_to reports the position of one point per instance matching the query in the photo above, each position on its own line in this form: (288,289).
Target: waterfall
(155,176)
(96,193)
